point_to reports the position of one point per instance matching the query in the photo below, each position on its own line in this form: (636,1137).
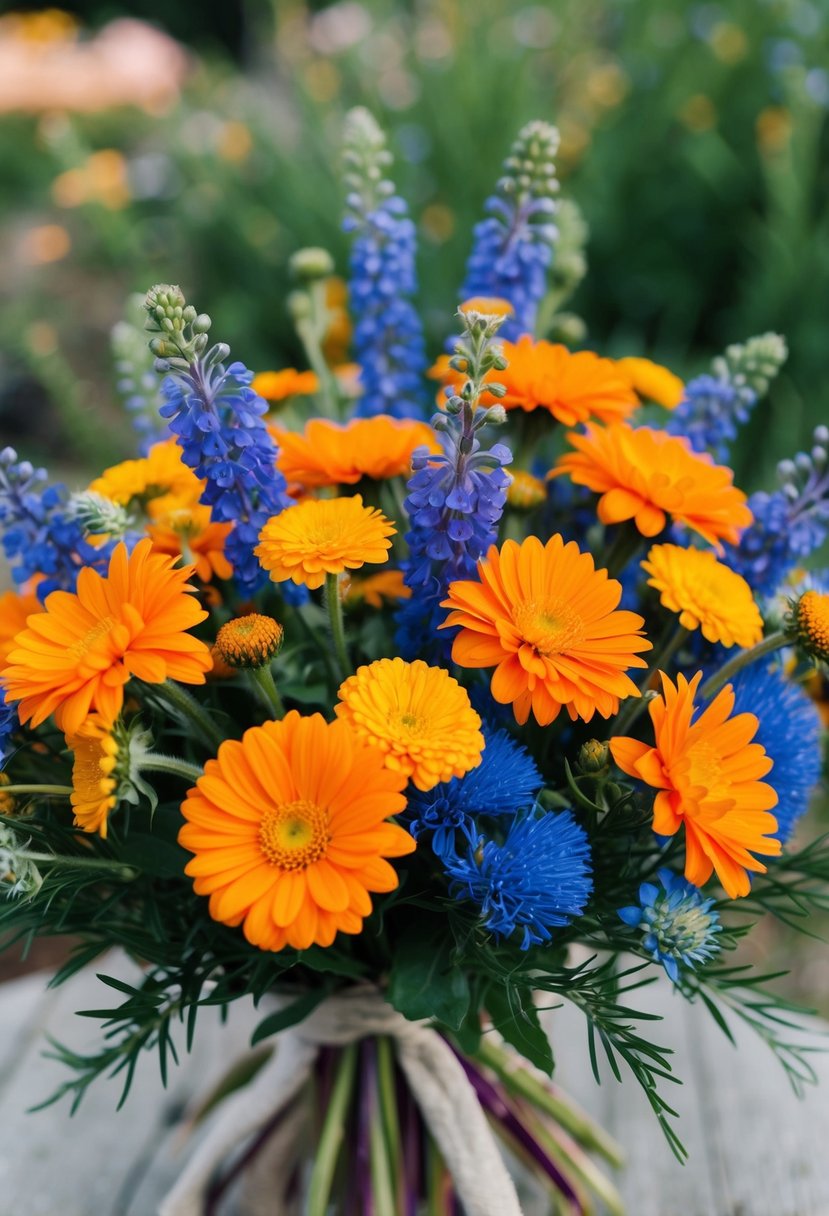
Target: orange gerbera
(181,526)
(572,386)
(323,536)
(708,773)
(278,386)
(82,650)
(331,453)
(374,590)
(647,476)
(652,381)
(15,609)
(546,620)
(707,594)
(288,827)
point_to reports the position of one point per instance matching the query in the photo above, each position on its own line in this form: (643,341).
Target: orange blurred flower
(652,381)
(278,386)
(331,453)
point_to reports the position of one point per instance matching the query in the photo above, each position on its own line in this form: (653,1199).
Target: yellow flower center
(812,615)
(705,770)
(551,627)
(294,835)
(91,637)
(412,724)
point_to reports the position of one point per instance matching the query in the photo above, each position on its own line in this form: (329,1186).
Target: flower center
(705,770)
(92,637)
(294,835)
(551,627)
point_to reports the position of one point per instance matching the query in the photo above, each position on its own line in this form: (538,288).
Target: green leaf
(425,981)
(153,855)
(515,1017)
(297,1011)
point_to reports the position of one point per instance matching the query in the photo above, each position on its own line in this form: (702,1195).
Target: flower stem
(335,615)
(56,790)
(190,709)
(382,1177)
(263,678)
(626,543)
(742,659)
(633,706)
(83,863)
(328,1146)
(156,763)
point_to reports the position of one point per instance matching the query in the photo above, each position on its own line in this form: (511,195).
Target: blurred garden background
(200,143)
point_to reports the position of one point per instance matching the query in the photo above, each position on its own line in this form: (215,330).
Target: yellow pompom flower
(810,624)
(249,641)
(706,593)
(318,537)
(419,716)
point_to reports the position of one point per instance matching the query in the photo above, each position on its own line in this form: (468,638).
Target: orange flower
(15,609)
(387,585)
(546,619)
(647,476)
(491,306)
(331,453)
(183,527)
(82,650)
(572,386)
(161,471)
(94,773)
(707,594)
(289,834)
(708,773)
(277,386)
(326,536)
(652,381)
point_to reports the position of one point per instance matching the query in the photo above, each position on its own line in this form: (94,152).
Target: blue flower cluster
(790,731)
(506,782)
(388,337)
(537,880)
(136,382)
(217,418)
(513,246)
(39,536)
(709,414)
(8,724)
(677,921)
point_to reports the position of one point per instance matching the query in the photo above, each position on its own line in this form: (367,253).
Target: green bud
(312,263)
(594,756)
(496,415)
(300,306)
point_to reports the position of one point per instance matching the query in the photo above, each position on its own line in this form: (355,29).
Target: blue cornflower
(513,246)
(8,724)
(709,413)
(679,927)
(39,536)
(537,880)
(790,731)
(505,782)
(388,337)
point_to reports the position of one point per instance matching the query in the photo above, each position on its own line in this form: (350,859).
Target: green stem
(190,709)
(388,1123)
(625,544)
(382,1178)
(82,863)
(265,683)
(58,790)
(156,763)
(436,1198)
(633,706)
(742,659)
(328,1146)
(310,331)
(335,615)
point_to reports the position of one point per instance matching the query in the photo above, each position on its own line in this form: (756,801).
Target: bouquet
(407,729)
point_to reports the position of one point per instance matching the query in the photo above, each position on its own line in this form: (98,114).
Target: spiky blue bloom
(136,381)
(39,536)
(505,782)
(677,921)
(388,336)
(8,724)
(537,880)
(513,246)
(709,413)
(790,730)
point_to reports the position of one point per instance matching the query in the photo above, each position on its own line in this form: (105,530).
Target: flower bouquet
(407,729)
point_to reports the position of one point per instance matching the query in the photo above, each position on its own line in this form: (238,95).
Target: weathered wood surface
(755,1149)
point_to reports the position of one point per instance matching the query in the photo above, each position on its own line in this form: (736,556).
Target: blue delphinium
(8,724)
(789,524)
(217,419)
(790,731)
(677,921)
(136,381)
(537,880)
(455,498)
(513,246)
(715,405)
(505,782)
(388,337)
(39,535)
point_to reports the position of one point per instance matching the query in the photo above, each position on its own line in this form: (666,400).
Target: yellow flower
(326,536)
(387,585)
(249,641)
(652,381)
(707,594)
(810,624)
(419,717)
(525,491)
(95,785)
(160,472)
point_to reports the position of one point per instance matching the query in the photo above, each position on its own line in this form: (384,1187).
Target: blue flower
(677,922)
(39,537)
(513,246)
(388,337)
(217,419)
(8,724)
(709,413)
(537,880)
(505,782)
(790,731)
(137,383)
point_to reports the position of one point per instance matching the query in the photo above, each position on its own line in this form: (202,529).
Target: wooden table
(755,1149)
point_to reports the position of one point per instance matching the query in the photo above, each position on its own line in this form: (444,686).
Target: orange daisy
(80,652)
(323,536)
(331,453)
(707,594)
(183,527)
(708,773)
(278,386)
(648,476)
(652,381)
(15,610)
(546,620)
(288,827)
(417,715)
(377,588)
(573,386)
